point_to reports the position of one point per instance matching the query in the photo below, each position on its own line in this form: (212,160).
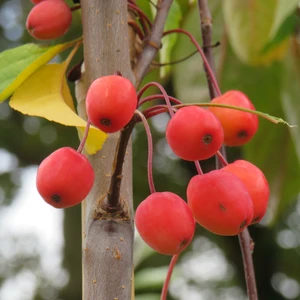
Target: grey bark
(107,238)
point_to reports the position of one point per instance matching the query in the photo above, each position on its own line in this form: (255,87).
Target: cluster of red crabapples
(223,201)
(49,19)
(65,177)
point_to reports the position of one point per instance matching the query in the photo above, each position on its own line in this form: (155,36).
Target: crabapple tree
(111,84)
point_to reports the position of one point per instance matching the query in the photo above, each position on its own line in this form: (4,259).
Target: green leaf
(283,10)
(17,64)
(290,94)
(286,29)
(150,278)
(189,78)
(249,25)
(169,41)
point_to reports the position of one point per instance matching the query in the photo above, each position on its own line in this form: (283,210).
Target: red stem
(222,159)
(154,97)
(144,20)
(163,91)
(85,135)
(172,264)
(205,61)
(150,152)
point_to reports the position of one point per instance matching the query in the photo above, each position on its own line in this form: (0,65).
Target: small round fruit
(220,202)
(49,19)
(65,178)
(256,183)
(165,222)
(194,133)
(239,127)
(111,102)
(36,1)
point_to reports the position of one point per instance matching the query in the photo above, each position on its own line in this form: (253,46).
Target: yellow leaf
(18,64)
(46,94)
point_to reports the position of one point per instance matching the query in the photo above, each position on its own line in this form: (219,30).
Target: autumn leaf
(46,94)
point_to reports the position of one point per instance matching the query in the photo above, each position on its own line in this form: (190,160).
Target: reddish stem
(158,96)
(222,159)
(75,7)
(205,61)
(137,29)
(154,111)
(163,91)
(145,21)
(85,135)
(172,264)
(150,152)
(198,167)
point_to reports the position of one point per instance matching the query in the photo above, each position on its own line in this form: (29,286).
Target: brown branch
(206,32)
(247,247)
(246,242)
(153,42)
(112,203)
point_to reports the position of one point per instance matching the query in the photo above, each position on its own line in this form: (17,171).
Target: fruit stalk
(165,288)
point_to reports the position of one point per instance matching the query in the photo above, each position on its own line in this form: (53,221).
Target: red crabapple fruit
(220,202)
(36,1)
(194,133)
(111,102)
(165,222)
(49,19)
(239,127)
(64,178)
(256,183)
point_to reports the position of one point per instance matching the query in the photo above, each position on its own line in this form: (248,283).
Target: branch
(112,203)
(153,43)
(247,247)
(206,31)
(246,242)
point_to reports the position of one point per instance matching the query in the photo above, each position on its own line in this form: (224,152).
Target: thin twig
(206,32)
(246,245)
(150,152)
(244,237)
(154,42)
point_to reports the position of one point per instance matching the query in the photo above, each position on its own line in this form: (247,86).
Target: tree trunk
(107,234)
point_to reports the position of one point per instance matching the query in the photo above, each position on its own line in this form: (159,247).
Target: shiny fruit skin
(64,178)
(256,183)
(49,19)
(165,222)
(239,127)
(194,133)
(111,102)
(220,202)
(36,1)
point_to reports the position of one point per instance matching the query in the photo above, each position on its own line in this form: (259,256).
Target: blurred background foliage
(259,55)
